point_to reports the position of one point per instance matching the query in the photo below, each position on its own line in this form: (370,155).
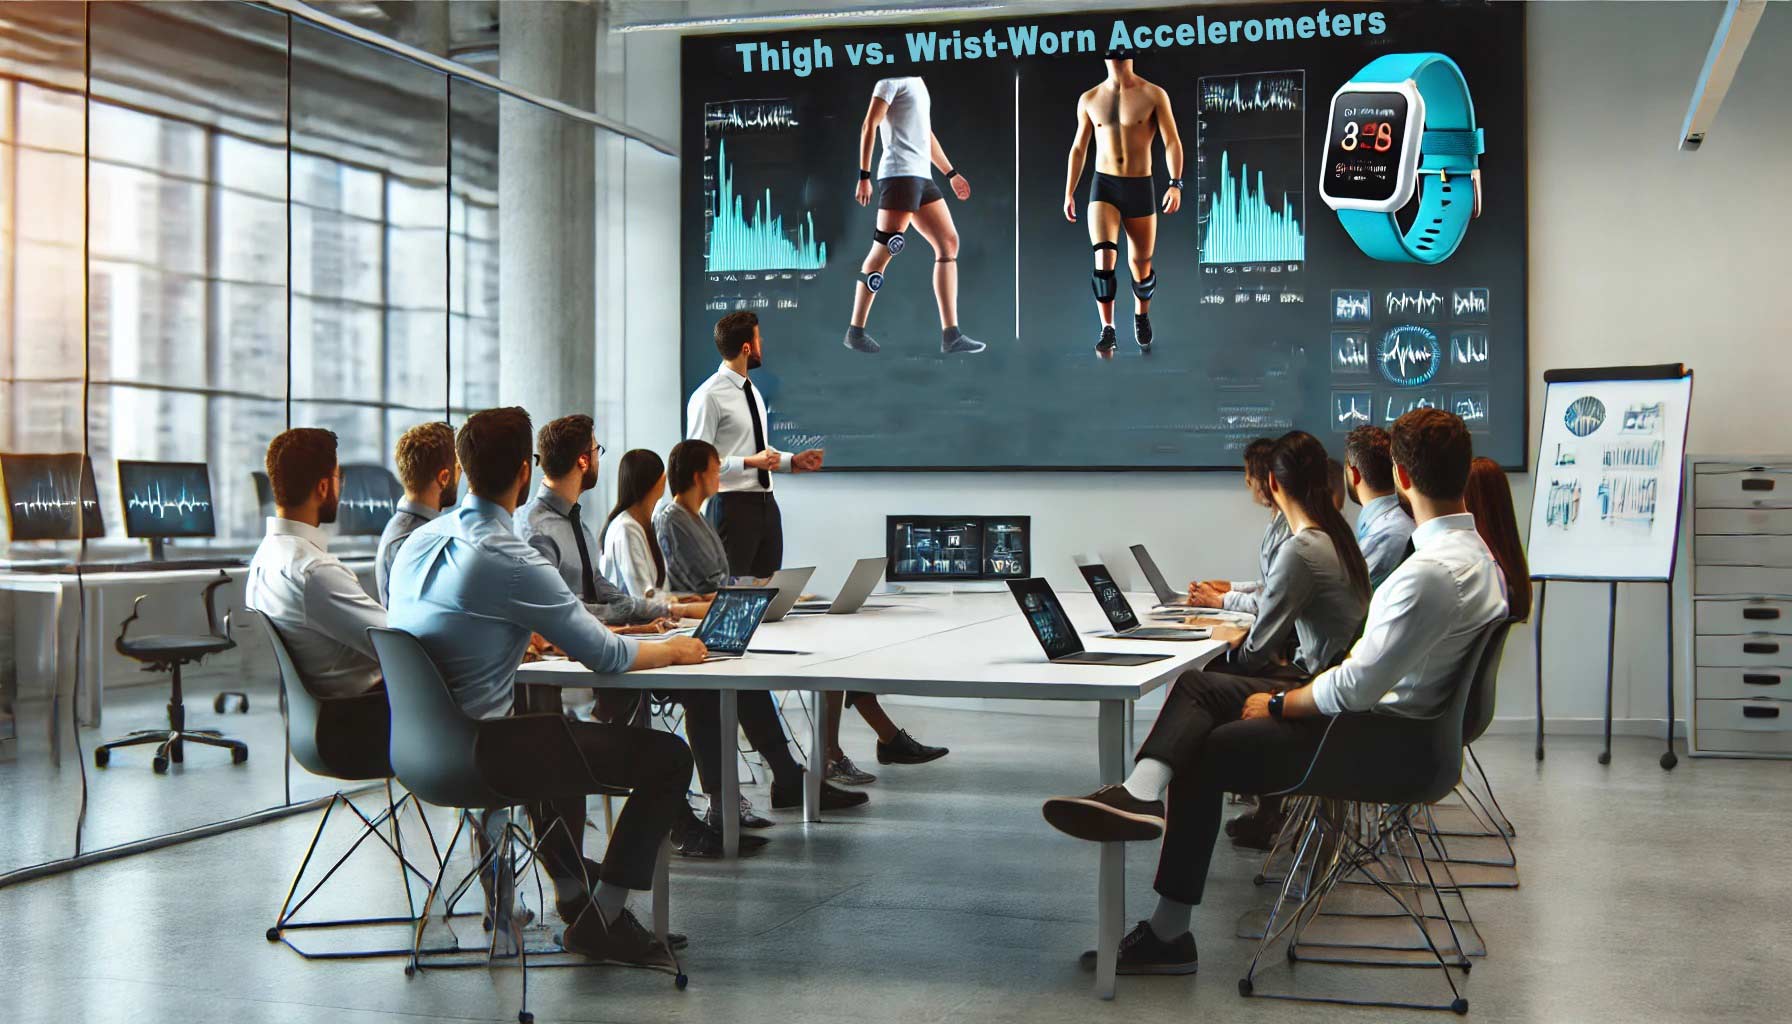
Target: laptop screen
(1046,617)
(1107,594)
(1159,585)
(732,618)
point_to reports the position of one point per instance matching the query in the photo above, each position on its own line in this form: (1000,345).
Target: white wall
(1639,254)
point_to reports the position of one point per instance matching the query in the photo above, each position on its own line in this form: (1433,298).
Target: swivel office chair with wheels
(167,653)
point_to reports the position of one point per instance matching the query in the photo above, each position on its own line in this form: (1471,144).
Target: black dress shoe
(623,941)
(1257,830)
(905,749)
(833,798)
(1108,815)
(571,910)
(1142,952)
(703,842)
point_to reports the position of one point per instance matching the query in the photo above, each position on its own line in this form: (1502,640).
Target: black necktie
(578,536)
(765,479)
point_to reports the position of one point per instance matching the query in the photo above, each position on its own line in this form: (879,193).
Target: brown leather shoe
(1108,815)
(623,941)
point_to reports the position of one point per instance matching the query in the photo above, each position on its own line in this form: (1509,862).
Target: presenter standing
(901,114)
(1124,114)
(729,413)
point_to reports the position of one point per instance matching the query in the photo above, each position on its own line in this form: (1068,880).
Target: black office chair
(342,738)
(1487,819)
(449,759)
(1364,807)
(167,653)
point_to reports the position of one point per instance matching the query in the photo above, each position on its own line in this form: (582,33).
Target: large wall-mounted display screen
(1263,314)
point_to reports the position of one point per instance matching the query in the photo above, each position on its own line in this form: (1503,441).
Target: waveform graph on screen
(1250,180)
(756,226)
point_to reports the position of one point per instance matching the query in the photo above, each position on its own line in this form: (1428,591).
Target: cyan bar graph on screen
(1243,226)
(737,243)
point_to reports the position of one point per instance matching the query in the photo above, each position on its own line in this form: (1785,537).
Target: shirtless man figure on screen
(1123,115)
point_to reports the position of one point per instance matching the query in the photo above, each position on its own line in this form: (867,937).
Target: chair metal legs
(371,827)
(508,853)
(1343,842)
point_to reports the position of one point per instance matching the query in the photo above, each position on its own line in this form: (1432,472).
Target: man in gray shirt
(1384,529)
(554,522)
(430,474)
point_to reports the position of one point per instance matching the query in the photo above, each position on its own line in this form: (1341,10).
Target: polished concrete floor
(1645,894)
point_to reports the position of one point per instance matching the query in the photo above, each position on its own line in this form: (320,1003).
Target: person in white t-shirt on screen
(901,115)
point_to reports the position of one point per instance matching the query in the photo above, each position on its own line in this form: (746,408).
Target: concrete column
(547,241)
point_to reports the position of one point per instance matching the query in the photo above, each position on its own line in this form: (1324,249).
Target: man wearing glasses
(555,523)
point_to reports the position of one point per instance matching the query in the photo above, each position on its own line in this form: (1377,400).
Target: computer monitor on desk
(51,497)
(370,494)
(165,500)
(965,551)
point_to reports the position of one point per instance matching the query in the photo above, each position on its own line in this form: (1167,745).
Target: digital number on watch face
(1368,131)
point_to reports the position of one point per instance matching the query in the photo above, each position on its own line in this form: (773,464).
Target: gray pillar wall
(547,233)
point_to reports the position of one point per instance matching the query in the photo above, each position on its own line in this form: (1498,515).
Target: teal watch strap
(1449,162)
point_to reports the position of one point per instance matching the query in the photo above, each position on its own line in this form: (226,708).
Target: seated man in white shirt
(314,601)
(1218,733)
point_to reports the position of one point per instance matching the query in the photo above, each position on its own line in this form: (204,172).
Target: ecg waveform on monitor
(1352,352)
(1242,226)
(1404,359)
(371,504)
(744,116)
(47,503)
(1413,302)
(1468,349)
(761,243)
(1471,407)
(1351,410)
(1469,303)
(156,502)
(1350,306)
(1268,93)
(1399,405)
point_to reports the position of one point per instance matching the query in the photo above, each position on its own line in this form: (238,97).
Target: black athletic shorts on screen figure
(906,192)
(1133,197)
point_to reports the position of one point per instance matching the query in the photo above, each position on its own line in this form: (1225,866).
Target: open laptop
(1045,615)
(1119,611)
(789,584)
(1166,598)
(733,616)
(859,583)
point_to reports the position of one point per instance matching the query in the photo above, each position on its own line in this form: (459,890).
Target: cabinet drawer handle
(1760,712)
(1760,613)
(1760,679)
(1760,647)
(1757,484)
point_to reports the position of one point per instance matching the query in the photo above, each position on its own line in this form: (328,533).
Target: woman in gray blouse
(697,563)
(1316,595)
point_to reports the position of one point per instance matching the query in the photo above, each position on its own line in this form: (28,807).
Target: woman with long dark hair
(1317,590)
(632,558)
(1316,593)
(1489,500)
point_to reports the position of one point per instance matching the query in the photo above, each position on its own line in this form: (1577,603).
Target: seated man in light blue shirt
(430,474)
(1384,530)
(1221,733)
(473,594)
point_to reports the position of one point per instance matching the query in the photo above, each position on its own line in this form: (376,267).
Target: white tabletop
(944,645)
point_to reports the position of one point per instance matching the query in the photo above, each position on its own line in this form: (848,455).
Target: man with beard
(727,411)
(430,474)
(315,602)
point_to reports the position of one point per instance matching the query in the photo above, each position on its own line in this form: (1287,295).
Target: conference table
(930,644)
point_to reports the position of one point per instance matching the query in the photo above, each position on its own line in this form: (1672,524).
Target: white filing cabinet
(1740,570)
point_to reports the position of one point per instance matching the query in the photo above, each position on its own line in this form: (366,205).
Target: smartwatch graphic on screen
(1403,117)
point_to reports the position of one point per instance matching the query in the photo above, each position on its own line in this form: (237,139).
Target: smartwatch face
(1368,150)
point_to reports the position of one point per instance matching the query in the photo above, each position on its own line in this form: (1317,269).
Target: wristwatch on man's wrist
(1275,703)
